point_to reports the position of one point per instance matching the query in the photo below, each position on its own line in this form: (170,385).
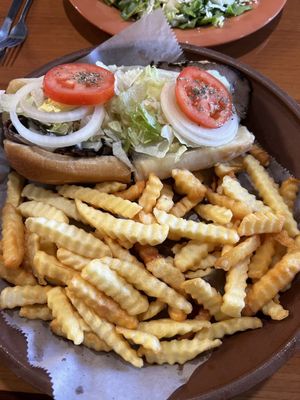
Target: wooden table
(55,29)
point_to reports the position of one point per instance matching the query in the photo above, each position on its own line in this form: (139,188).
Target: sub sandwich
(93,123)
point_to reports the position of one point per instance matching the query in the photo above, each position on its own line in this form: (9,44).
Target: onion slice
(62,141)
(191,131)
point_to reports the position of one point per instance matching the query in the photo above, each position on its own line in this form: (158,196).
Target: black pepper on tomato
(203,98)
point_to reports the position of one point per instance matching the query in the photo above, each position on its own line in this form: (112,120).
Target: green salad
(185,14)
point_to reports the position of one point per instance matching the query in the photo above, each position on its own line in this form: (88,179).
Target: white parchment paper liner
(75,371)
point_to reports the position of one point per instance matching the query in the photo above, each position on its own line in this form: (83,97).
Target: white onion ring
(47,117)
(62,141)
(191,131)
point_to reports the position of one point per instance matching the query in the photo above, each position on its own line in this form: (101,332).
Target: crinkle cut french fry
(12,236)
(110,187)
(284,239)
(183,206)
(229,168)
(232,188)
(288,191)
(119,252)
(176,315)
(50,268)
(165,201)
(153,287)
(101,275)
(261,222)
(69,237)
(15,185)
(269,193)
(151,193)
(235,289)
(32,245)
(146,253)
(155,307)
(207,262)
(103,305)
(63,311)
(205,295)
(90,340)
(126,244)
(117,228)
(144,339)
(262,258)
(191,254)
(238,209)
(177,247)
(166,328)
(107,202)
(39,209)
(18,277)
(179,351)
(166,271)
(37,193)
(238,253)
(106,331)
(260,154)
(273,281)
(19,296)
(275,310)
(196,230)
(199,273)
(187,183)
(133,192)
(217,214)
(146,218)
(71,259)
(36,311)
(218,330)
(280,251)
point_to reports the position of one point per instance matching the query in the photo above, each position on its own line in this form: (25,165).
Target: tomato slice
(79,84)
(203,98)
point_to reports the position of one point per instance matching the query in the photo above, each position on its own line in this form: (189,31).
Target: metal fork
(11,15)
(19,32)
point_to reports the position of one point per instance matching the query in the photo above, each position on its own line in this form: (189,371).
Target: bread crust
(43,166)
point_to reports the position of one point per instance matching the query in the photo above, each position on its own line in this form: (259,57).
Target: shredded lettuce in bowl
(185,14)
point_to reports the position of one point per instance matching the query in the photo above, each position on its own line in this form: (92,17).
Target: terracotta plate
(109,20)
(247,358)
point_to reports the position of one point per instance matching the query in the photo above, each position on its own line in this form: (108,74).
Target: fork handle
(25,10)
(11,15)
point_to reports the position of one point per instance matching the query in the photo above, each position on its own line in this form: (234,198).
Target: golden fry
(288,191)
(103,277)
(49,268)
(155,307)
(196,230)
(106,331)
(38,209)
(69,237)
(183,206)
(207,262)
(199,273)
(146,218)
(229,168)
(166,328)
(151,193)
(37,193)
(176,315)
(262,258)
(165,201)
(110,187)
(238,208)
(119,252)
(123,229)
(166,272)
(12,236)
(269,192)
(261,222)
(284,239)
(191,254)
(217,214)
(18,277)
(19,296)
(144,339)
(260,154)
(103,305)
(272,282)
(179,351)
(186,183)
(71,259)
(107,202)
(36,311)
(238,253)
(143,280)
(64,313)
(15,185)
(133,192)
(275,310)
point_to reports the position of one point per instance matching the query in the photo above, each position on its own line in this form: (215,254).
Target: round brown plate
(109,20)
(246,358)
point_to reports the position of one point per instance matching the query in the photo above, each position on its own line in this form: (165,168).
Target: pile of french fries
(89,259)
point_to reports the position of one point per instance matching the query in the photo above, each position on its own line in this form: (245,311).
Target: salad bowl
(109,20)
(244,359)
